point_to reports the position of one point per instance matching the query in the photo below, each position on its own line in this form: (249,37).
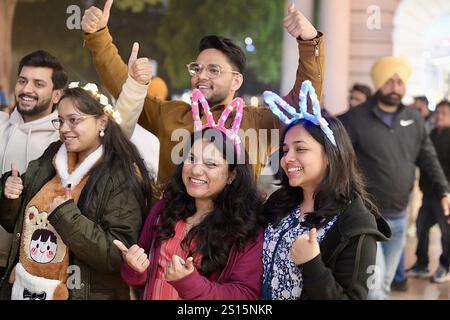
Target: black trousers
(431,213)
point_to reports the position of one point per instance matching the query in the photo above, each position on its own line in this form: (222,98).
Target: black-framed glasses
(212,70)
(72,122)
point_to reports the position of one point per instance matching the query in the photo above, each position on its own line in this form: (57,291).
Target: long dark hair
(118,150)
(342,182)
(236,219)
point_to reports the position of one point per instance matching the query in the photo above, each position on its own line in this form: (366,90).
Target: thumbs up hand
(135,257)
(305,247)
(179,268)
(139,69)
(297,25)
(95,19)
(60,200)
(13,185)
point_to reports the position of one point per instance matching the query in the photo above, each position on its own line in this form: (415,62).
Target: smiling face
(221,89)
(43,246)
(34,92)
(205,173)
(79,131)
(304,160)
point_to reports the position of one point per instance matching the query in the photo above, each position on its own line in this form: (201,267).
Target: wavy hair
(343,180)
(235,220)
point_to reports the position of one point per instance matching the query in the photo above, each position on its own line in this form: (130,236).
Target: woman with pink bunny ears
(218,70)
(203,239)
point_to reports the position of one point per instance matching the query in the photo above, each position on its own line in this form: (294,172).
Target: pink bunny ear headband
(232,134)
(276,104)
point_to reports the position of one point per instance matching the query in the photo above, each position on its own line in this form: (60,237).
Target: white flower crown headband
(102,99)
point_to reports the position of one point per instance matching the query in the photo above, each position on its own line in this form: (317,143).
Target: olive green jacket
(88,229)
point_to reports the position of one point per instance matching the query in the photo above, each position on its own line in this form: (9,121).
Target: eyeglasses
(72,122)
(212,70)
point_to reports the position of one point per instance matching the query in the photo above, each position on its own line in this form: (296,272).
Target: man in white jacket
(27,132)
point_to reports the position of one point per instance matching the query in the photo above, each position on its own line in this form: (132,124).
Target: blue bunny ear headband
(276,104)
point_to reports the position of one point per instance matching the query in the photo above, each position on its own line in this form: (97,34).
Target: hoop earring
(102,133)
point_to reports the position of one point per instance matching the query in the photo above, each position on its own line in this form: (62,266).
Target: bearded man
(390,140)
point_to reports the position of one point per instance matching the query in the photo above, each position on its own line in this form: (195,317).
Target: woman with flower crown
(203,239)
(320,242)
(84,191)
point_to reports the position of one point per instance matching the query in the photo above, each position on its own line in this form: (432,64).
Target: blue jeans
(388,257)
(400,274)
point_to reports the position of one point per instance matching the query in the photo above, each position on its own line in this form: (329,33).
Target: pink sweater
(240,279)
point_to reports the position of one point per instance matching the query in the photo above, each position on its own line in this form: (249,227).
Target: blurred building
(358,32)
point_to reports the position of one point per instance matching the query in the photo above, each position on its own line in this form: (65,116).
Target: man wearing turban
(390,140)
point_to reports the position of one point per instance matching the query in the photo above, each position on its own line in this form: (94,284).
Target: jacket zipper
(316,57)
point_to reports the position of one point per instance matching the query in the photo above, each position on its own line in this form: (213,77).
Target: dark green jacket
(88,229)
(345,267)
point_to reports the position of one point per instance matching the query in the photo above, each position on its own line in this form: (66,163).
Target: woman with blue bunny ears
(320,241)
